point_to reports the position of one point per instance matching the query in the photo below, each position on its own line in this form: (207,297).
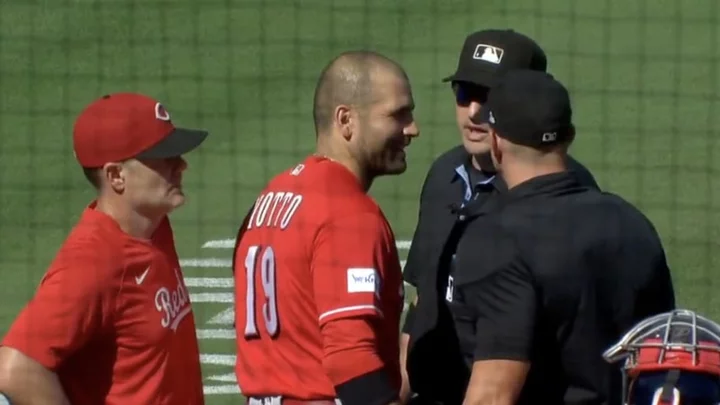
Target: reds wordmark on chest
(173,303)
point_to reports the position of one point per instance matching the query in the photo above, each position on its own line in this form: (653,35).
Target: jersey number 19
(267,274)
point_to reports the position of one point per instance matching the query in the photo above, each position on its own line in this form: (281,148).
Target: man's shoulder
(297,174)
(583,174)
(599,216)
(90,238)
(363,219)
(582,204)
(592,200)
(308,206)
(441,170)
(552,217)
(322,178)
(574,163)
(627,213)
(90,255)
(450,159)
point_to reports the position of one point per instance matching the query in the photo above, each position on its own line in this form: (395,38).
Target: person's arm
(350,264)
(405,391)
(505,305)
(411,276)
(25,381)
(642,251)
(240,233)
(72,303)
(353,364)
(413,262)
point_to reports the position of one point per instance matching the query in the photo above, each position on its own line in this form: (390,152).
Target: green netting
(643,75)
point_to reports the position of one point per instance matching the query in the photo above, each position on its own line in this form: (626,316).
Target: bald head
(348,80)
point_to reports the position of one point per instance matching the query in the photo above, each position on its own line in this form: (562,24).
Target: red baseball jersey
(316,248)
(112,318)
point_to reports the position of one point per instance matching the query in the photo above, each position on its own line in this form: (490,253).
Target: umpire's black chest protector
(436,367)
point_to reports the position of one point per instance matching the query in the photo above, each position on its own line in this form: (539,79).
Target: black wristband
(372,388)
(409,319)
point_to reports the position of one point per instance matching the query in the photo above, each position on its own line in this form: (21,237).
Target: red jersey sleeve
(73,302)
(349,260)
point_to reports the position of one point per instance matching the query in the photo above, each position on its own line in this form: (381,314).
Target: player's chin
(396,166)
(175,199)
(476,147)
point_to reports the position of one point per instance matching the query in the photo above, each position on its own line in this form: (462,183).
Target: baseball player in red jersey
(318,284)
(111,322)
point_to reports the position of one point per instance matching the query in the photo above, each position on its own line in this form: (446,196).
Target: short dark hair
(92,174)
(347,80)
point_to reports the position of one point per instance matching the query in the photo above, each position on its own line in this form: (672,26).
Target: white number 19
(269,308)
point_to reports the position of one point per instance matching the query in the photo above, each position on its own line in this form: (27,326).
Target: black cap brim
(178,143)
(450,78)
(478,77)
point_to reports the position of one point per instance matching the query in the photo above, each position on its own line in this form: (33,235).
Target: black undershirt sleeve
(373,388)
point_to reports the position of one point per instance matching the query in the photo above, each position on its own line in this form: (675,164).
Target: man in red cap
(111,322)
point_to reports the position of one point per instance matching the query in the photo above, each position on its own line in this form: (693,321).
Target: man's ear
(113,174)
(344,120)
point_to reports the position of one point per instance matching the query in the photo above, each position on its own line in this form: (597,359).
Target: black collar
(547,184)
(460,157)
(492,179)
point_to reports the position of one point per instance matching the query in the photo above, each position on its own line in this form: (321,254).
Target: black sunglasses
(465,93)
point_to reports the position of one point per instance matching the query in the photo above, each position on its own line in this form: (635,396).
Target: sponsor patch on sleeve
(363,280)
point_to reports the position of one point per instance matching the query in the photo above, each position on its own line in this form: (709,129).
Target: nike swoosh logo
(139,279)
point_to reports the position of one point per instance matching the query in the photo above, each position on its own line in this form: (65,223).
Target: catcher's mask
(670,359)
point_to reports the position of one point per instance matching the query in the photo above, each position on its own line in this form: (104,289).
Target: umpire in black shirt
(465,175)
(557,273)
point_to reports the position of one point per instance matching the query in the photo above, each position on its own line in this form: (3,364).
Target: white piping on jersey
(347,309)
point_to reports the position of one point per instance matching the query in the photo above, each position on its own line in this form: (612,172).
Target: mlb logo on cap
(488,53)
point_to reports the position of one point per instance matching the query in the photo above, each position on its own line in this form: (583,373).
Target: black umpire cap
(529,108)
(490,52)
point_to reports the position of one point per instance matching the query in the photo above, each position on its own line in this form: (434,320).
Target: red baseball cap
(122,126)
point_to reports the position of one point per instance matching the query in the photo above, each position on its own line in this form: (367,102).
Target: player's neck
(348,162)
(363,177)
(483,163)
(129,220)
(519,172)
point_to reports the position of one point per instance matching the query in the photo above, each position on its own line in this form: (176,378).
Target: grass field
(643,74)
